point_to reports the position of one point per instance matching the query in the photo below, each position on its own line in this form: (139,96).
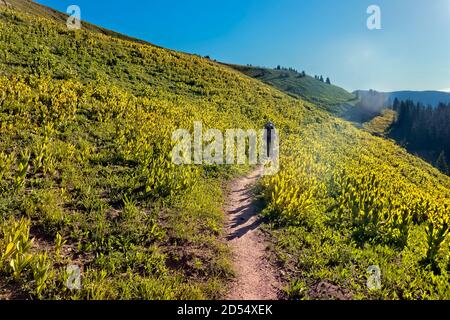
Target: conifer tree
(441,163)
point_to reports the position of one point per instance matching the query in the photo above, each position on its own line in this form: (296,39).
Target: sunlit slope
(86,122)
(329,96)
(381,124)
(36,9)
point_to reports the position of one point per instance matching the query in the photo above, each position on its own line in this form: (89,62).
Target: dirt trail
(255,277)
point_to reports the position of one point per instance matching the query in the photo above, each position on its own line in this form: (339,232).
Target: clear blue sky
(329,37)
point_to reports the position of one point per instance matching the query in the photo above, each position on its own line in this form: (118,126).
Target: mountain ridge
(425,97)
(301,85)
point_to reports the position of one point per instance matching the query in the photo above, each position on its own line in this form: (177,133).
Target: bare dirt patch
(256,278)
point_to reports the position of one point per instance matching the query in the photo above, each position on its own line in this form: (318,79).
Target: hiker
(269,127)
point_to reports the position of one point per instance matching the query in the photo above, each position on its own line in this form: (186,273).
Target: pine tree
(328,81)
(396,105)
(441,163)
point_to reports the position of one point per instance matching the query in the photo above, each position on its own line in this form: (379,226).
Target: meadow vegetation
(323,95)
(345,201)
(86,178)
(85,160)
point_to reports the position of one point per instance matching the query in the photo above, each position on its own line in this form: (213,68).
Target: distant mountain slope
(425,97)
(383,99)
(298,85)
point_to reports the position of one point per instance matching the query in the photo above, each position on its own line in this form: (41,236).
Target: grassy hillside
(305,87)
(380,125)
(86,125)
(345,201)
(33,8)
(85,139)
